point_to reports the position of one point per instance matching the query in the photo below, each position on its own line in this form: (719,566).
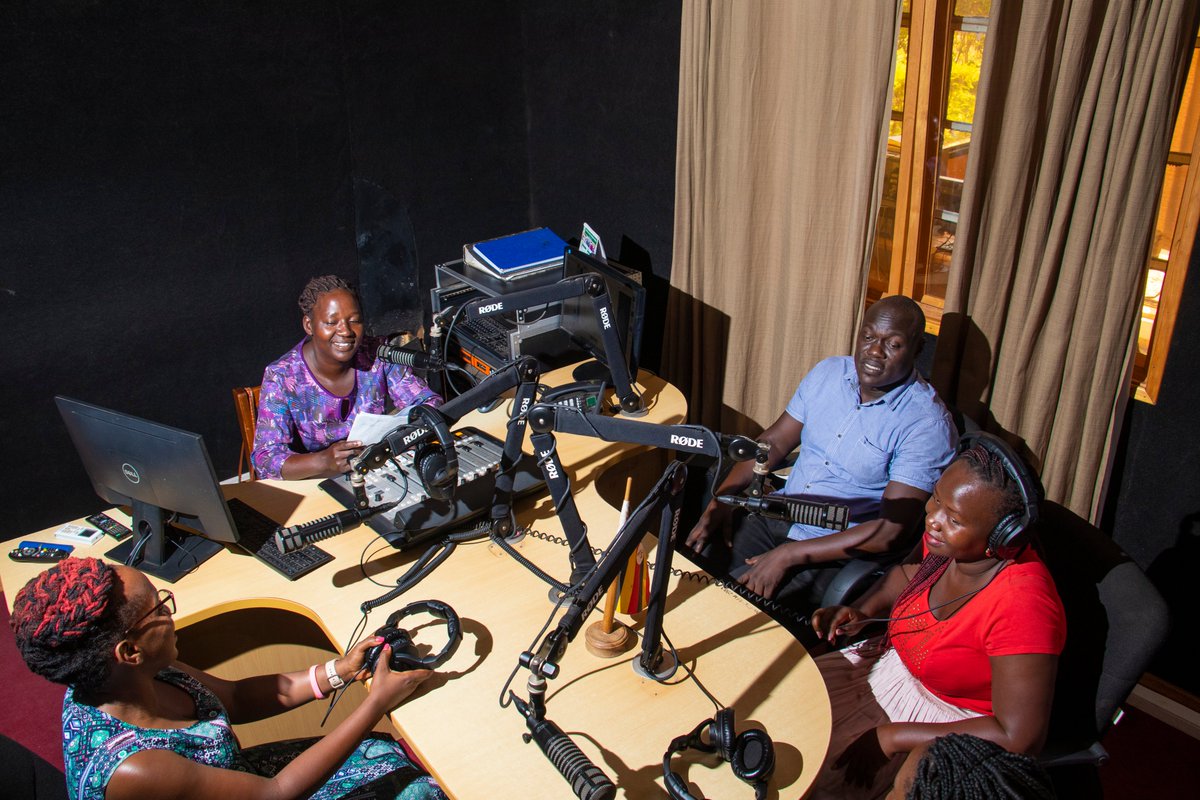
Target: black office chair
(1116,622)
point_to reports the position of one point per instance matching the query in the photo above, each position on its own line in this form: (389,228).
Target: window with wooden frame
(938,59)
(1172,242)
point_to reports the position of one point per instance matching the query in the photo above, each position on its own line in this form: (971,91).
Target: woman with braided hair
(137,723)
(959,766)
(311,395)
(973,636)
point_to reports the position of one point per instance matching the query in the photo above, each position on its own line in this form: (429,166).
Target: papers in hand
(371,428)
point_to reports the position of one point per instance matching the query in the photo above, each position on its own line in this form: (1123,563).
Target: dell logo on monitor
(131,474)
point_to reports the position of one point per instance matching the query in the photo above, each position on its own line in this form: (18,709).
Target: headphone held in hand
(751,754)
(404,652)
(436,462)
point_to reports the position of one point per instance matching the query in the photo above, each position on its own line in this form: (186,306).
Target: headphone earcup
(1006,530)
(753,756)
(720,733)
(430,463)
(404,652)
(436,463)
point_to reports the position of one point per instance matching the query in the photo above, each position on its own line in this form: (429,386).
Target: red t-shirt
(1018,613)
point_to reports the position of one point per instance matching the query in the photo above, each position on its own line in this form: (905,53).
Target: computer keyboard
(256,535)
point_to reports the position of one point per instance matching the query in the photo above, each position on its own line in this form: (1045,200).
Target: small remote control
(109,525)
(40,551)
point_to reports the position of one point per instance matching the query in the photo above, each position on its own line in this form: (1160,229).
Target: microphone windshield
(408,358)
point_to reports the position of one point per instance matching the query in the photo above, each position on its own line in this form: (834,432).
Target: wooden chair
(245,400)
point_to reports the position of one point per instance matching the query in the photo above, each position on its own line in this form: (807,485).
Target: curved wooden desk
(624,723)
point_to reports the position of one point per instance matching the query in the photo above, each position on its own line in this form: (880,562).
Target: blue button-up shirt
(852,450)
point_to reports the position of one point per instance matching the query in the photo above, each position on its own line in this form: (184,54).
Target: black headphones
(1007,539)
(404,652)
(751,754)
(435,462)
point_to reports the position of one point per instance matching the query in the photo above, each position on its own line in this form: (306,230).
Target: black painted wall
(1154,505)
(172,173)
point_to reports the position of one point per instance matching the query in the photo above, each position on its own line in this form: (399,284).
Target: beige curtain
(783,111)
(1072,127)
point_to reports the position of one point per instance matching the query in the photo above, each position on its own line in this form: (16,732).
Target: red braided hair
(64,618)
(63,601)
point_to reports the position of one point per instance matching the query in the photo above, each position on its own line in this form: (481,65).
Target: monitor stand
(169,552)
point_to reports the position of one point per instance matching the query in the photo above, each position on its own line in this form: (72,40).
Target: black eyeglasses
(166,599)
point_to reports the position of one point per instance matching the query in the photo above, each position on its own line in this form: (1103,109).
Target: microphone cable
(862,623)
(505,695)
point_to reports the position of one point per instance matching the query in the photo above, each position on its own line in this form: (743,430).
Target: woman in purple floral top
(312,394)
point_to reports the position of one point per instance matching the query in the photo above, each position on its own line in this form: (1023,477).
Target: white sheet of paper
(370,428)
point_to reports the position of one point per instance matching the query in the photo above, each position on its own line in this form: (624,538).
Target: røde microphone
(792,509)
(409,358)
(588,781)
(297,536)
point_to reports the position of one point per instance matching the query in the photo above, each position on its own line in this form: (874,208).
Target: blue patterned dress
(95,744)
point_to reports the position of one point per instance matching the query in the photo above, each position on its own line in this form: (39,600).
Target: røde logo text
(686,441)
(551,469)
(491,307)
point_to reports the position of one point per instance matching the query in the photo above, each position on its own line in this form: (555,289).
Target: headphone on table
(436,462)
(751,754)
(404,652)
(1007,538)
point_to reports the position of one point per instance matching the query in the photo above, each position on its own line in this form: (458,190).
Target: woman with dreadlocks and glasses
(137,723)
(973,636)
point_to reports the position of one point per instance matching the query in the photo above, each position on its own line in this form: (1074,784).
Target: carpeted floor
(32,707)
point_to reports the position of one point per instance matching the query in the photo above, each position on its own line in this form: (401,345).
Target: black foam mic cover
(408,358)
(792,509)
(295,537)
(587,780)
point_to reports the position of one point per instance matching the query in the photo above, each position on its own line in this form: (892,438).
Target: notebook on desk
(518,254)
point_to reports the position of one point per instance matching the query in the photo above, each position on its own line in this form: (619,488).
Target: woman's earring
(989,553)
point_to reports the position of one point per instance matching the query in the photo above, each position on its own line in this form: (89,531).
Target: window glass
(1170,245)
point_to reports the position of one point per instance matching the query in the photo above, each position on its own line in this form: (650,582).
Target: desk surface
(623,722)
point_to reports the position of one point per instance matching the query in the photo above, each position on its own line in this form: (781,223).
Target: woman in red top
(972,645)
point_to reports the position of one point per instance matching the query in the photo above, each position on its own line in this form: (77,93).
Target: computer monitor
(165,475)
(628,298)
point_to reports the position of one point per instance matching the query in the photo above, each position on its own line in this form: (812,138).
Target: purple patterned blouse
(296,414)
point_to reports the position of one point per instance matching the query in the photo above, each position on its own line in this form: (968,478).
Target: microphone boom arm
(409,436)
(666,499)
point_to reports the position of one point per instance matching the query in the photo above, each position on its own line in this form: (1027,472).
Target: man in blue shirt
(875,435)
